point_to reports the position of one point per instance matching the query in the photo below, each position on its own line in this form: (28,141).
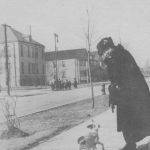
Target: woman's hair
(104,44)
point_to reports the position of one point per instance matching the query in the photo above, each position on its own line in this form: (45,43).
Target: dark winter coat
(132,95)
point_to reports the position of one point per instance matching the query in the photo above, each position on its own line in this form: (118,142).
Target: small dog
(89,141)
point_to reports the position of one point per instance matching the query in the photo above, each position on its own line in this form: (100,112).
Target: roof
(14,35)
(25,38)
(67,54)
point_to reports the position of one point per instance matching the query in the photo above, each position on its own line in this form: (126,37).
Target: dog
(89,141)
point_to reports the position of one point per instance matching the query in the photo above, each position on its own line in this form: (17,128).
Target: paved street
(37,100)
(31,101)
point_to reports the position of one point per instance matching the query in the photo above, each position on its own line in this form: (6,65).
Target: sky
(126,21)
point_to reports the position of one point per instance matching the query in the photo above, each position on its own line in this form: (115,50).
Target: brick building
(26,59)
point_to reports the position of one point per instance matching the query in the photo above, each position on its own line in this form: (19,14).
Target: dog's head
(93,126)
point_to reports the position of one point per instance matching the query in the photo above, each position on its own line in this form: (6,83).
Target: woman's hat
(104,44)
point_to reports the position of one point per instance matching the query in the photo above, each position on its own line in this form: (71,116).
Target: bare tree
(9,111)
(9,102)
(89,36)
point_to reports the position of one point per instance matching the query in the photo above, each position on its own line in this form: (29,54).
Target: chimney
(30,35)
(30,38)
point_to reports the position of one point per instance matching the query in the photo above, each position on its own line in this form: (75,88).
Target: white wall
(69,69)
(13,63)
(49,72)
(66,67)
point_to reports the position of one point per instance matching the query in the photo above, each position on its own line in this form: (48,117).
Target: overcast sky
(126,21)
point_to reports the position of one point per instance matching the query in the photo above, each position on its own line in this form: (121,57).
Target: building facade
(25,59)
(71,64)
(98,73)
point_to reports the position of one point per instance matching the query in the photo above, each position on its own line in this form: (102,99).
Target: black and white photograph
(74,74)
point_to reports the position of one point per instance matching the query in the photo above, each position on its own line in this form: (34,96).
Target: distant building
(71,64)
(26,59)
(98,73)
(94,58)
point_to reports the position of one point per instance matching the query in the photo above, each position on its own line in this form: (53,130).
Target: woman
(128,91)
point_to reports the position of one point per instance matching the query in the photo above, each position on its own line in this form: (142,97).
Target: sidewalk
(112,139)
(108,134)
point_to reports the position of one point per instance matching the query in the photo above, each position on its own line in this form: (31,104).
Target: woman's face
(107,54)
(105,57)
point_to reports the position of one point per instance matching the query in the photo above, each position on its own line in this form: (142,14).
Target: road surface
(33,101)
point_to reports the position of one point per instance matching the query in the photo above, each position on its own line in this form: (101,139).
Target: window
(63,64)
(82,63)
(42,54)
(36,54)
(32,53)
(37,68)
(29,68)
(1,68)
(83,73)
(33,68)
(43,69)
(54,64)
(28,51)
(22,67)
(21,48)
(91,57)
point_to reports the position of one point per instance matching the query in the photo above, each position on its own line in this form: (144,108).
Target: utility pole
(89,67)
(119,37)
(56,49)
(89,62)
(15,65)
(30,30)
(6,62)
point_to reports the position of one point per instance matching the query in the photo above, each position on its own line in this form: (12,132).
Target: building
(94,58)
(25,57)
(98,73)
(70,64)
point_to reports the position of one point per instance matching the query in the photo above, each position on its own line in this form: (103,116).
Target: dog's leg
(100,143)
